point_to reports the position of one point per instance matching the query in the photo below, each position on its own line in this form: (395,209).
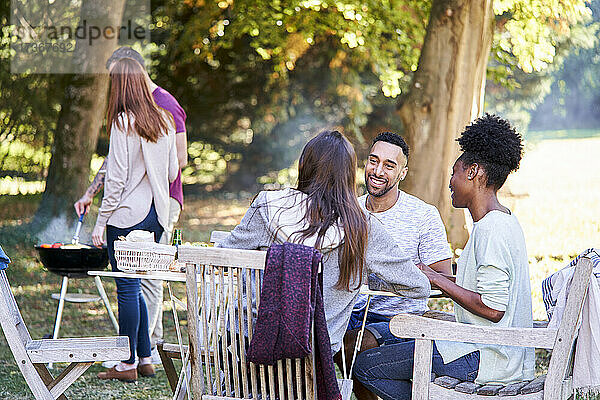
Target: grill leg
(104,297)
(61,305)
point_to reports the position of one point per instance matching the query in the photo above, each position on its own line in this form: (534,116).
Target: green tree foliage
(528,31)
(260,76)
(29,106)
(574,99)
(515,92)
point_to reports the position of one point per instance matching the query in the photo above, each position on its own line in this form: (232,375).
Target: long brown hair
(327,174)
(130,94)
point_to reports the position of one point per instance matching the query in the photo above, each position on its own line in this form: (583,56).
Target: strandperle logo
(88,32)
(66,36)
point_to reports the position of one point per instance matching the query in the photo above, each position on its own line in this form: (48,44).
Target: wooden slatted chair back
(556,385)
(229,283)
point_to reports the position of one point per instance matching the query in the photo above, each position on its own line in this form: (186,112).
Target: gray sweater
(383,258)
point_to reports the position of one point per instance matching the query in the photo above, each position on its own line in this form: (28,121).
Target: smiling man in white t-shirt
(416,227)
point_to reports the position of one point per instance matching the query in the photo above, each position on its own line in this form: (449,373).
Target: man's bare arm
(442,266)
(98,182)
(181,144)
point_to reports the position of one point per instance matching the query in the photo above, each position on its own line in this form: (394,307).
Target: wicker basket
(144,256)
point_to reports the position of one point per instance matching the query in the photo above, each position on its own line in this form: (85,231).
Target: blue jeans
(356,319)
(387,370)
(378,325)
(133,315)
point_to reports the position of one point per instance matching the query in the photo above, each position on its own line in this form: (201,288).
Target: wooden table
(167,276)
(158,275)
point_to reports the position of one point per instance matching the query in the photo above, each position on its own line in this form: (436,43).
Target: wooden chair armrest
(78,349)
(441,315)
(444,316)
(254,259)
(416,327)
(364,289)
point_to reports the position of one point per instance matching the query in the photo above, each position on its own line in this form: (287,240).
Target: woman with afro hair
(492,281)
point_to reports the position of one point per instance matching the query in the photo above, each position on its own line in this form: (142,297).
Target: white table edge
(158,275)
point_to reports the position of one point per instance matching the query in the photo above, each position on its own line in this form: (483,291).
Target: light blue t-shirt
(494,264)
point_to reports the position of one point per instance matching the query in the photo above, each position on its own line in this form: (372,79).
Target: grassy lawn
(33,286)
(555,196)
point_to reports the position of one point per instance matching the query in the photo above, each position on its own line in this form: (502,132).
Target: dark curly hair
(493,143)
(394,139)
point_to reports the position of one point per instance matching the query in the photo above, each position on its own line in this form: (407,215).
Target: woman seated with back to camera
(492,280)
(323,212)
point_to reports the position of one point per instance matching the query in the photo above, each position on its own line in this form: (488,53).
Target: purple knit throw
(290,297)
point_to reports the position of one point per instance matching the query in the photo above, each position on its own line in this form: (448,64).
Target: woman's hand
(97,236)
(434,275)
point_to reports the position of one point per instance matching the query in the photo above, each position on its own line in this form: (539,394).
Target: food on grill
(59,245)
(56,245)
(75,246)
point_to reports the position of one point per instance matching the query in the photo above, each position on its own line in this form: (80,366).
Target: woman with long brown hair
(141,161)
(323,212)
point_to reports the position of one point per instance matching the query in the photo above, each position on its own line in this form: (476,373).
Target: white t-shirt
(494,264)
(419,231)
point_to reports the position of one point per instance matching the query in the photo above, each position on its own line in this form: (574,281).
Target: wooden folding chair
(223,372)
(170,351)
(556,385)
(32,355)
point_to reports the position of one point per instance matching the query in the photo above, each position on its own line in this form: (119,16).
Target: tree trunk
(80,118)
(446,94)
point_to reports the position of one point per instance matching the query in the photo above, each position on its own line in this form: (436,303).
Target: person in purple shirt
(151,289)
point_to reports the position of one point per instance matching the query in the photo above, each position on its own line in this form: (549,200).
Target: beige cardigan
(138,172)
